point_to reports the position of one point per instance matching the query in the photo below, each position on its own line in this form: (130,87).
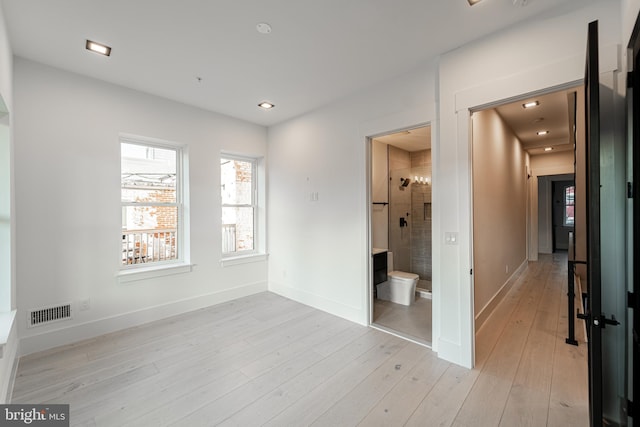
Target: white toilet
(400,287)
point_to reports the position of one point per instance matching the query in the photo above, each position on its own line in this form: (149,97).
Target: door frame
(633,131)
(419,115)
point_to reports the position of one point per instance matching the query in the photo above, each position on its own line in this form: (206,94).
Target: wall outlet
(84,305)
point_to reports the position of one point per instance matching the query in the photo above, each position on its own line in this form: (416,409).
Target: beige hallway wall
(499,206)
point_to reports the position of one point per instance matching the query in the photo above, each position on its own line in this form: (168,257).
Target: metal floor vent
(49,315)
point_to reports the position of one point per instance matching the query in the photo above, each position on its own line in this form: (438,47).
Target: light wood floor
(266,360)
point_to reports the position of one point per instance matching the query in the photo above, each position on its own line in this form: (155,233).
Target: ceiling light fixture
(548,148)
(530,104)
(263,28)
(98,48)
(543,132)
(266,105)
(472,2)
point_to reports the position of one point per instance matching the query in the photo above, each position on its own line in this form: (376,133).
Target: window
(152,203)
(569,205)
(239,204)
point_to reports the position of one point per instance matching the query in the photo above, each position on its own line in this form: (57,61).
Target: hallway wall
(499,207)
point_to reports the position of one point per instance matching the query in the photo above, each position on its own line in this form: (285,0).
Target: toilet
(400,287)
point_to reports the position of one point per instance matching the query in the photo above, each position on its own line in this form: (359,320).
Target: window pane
(149,233)
(236,183)
(148,174)
(569,196)
(569,205)
(569,218)
(237,229)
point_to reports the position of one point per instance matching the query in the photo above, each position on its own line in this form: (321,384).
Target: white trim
(95,328)
(399,335)
(143,273)
(181,202)
(9,353)
(567,72)
(6,323)
(255,205)
(243,259)
(354,314)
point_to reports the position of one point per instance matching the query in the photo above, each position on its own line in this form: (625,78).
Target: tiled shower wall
(399,207)
(411,245)
(421,223)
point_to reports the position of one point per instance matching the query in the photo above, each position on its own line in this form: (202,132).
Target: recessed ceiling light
(530,104)
(548,148)
(266,105)
(263,28)
(543,132)
(98,48)
(472,2)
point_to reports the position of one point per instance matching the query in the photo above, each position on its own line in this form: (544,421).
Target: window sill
(6,321)
(135,274)
(243,259)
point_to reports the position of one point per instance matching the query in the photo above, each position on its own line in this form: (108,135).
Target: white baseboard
(486,311)
(75,333)
(353,314)
(453,352)
(9,365)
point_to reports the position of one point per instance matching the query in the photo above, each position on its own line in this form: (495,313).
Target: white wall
(629,13)
(318,251)
(523,59)
(68,203)
(8,329)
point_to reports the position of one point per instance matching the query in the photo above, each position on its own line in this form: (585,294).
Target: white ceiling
(318,51)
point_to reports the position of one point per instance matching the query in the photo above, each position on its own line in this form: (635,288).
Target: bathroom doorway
(401,233)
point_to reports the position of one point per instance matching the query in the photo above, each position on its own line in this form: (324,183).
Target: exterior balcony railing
(147,246)
(228,238)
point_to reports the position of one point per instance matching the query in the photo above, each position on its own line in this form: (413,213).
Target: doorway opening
(516,146)
(401,233)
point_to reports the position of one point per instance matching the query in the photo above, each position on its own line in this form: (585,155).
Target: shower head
(405,181)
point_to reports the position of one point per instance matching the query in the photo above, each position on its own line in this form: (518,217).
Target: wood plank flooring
(266,360)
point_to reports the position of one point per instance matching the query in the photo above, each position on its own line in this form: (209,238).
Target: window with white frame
(569,205)
(152,202)
(239,204)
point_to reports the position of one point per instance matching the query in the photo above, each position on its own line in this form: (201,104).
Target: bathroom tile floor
(412,321)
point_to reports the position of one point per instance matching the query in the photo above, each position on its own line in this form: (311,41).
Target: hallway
(528,375)
(266,360)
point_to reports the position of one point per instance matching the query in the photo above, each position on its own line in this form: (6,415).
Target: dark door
(594,307)
(633,95)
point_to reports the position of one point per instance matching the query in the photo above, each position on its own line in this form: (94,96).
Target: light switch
(450,238)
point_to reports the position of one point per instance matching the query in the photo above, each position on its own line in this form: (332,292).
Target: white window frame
(254,205)
(565,204)
(180,264)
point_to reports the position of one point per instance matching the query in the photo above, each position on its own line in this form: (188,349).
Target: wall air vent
(48,315)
